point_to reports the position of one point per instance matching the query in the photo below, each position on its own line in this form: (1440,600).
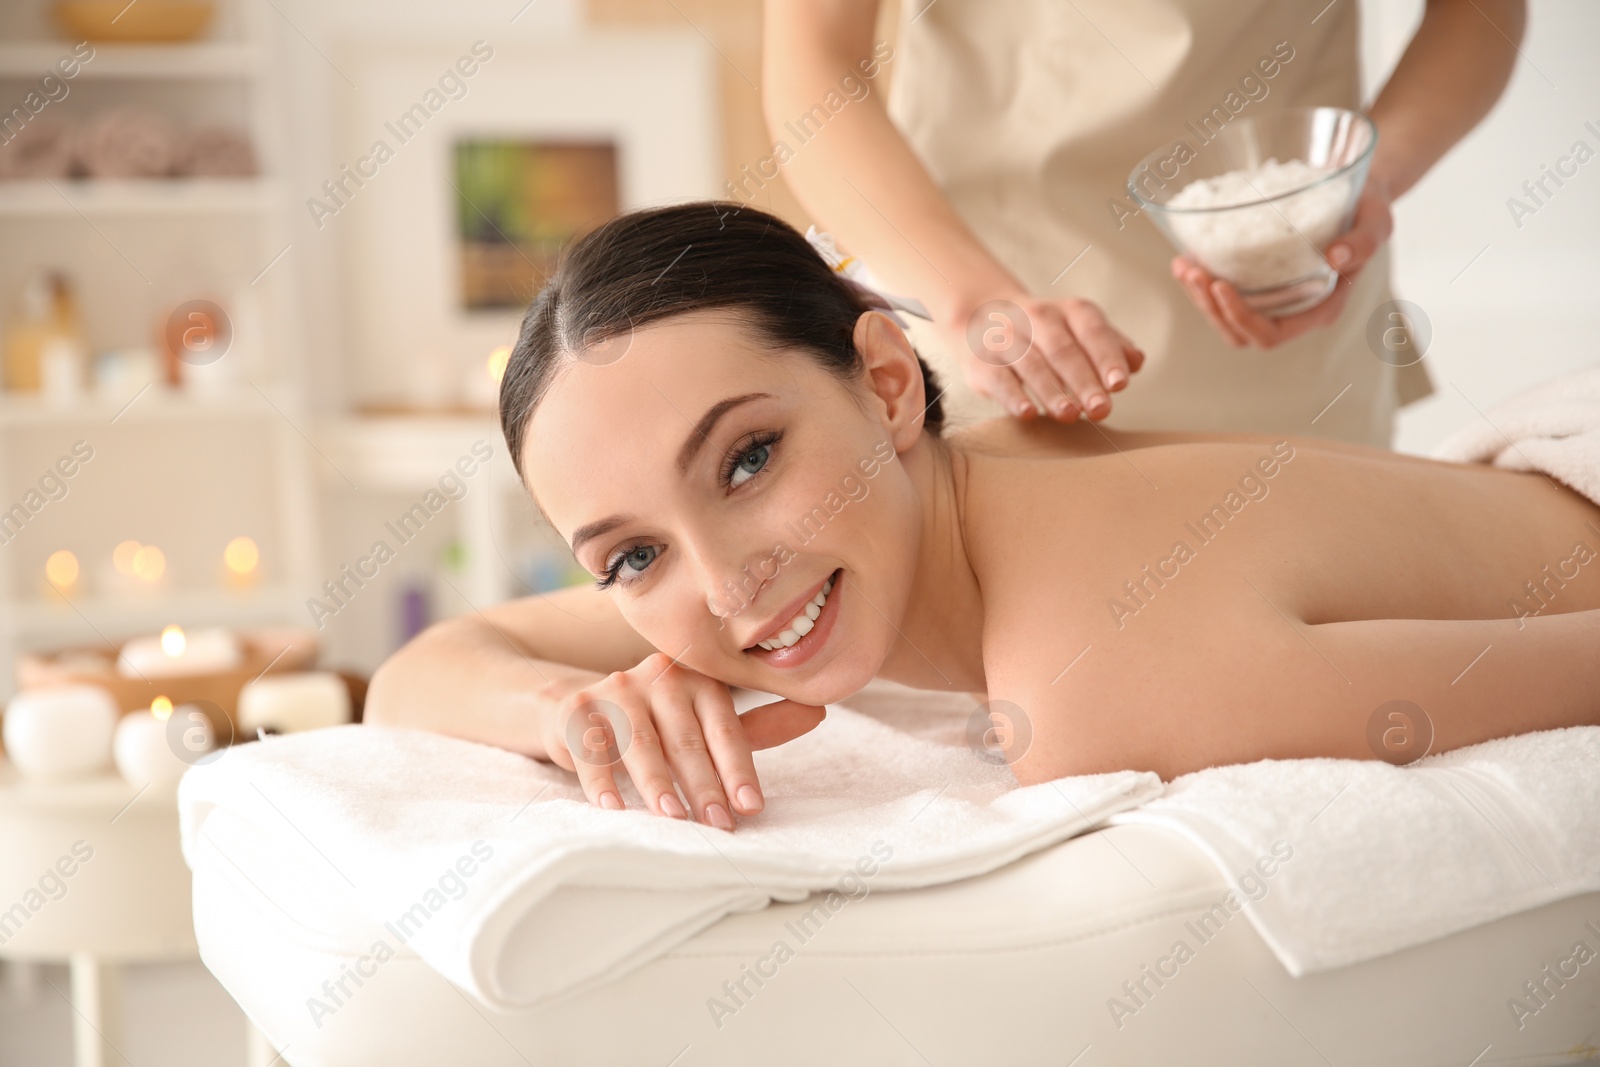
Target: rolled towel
(41,149)
(216,152)
(127,143)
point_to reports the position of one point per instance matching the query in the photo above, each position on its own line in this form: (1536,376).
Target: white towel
(551,895)
(1379,857)
(1554,428)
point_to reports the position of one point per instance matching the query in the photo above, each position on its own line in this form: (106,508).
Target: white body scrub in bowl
(1262,245)
(1259,203)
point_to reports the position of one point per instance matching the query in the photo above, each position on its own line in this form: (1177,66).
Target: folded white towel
(1358,859)
(495,870)
(1553,427)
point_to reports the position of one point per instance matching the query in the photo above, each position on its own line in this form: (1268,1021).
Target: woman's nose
(731,587)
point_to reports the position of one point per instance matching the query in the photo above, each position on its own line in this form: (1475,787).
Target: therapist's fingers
(1038,376)
(1105,345)
(1000,384)
(1197,283)
(1373,224)
(1255,327)
(1067,358)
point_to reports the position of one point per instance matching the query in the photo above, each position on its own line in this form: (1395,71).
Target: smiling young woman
(747,455)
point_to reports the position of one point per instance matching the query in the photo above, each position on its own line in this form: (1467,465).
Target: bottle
(49,322)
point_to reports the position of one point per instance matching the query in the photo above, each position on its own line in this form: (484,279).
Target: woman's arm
(484,677)
(860,179)
(1451,74)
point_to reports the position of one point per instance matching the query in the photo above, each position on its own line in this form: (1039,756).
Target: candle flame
(241,555)
(61,569)
(172,640)
(149,562)
(161,708)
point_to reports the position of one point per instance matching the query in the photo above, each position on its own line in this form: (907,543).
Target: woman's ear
(894,376)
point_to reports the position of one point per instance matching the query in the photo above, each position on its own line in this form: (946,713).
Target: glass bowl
(1274,193)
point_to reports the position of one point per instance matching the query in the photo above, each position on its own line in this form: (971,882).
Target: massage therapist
(997,173)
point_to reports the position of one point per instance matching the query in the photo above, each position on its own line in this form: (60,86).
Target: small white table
(91,873)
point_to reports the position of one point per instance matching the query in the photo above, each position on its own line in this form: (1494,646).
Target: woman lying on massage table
(748,458)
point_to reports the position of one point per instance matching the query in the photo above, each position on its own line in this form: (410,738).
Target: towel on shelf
(41,149)
(1338,861)
(127,142)
(1553,428)
(495,870)
(215,152)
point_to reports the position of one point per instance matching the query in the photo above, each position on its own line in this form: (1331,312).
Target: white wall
(1527,306)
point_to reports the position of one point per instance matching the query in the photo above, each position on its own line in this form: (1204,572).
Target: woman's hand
(1063,352)
(1240,325)
(665,722)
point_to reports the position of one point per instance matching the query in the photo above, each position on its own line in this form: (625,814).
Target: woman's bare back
(1174,606)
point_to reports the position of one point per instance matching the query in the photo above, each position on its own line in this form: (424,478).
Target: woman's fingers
(729,746)
(590,730)
(688,753)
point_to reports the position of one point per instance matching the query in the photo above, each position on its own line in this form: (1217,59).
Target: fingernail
(1115,379)
(749,799)
(1023,411)
(1098,403)
(718,816)
(670,806)
(1339,255)
(1060,407)
(610,800)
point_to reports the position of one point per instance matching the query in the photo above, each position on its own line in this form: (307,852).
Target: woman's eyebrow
(594,529)
(702,429)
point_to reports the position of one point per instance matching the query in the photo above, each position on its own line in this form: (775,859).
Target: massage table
(1065,957)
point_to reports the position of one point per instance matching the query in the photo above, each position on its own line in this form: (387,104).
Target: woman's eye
(630,564)
(750,464)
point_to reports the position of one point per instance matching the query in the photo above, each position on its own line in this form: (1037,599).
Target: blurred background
(257,283)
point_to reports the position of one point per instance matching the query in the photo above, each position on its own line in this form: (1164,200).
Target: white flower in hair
(856,274)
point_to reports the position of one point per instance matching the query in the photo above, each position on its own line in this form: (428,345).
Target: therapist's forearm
(1451,74)
(858,176)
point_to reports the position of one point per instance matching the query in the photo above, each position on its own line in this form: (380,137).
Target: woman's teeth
(802,623)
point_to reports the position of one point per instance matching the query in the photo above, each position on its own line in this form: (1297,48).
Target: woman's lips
(809,645)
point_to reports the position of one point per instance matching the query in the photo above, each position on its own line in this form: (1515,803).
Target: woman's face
(716,486)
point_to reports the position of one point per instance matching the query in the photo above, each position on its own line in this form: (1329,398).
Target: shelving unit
(268,407)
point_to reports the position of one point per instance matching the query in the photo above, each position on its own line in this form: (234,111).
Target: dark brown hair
(644,266)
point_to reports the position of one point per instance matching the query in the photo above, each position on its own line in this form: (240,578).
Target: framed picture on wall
(518,202)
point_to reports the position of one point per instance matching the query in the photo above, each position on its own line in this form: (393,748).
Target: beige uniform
(1030,114)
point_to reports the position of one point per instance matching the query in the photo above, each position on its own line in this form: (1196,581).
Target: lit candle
(61,571)
(287,703)
(241,559)
(60,731)
(175,652)
(136,568)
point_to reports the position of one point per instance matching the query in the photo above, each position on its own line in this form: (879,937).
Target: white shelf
(156,404)
(149,196)
(207,59)
(114,616)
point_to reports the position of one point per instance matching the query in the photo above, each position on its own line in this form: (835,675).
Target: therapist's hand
(1062,352)
(1241,325)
